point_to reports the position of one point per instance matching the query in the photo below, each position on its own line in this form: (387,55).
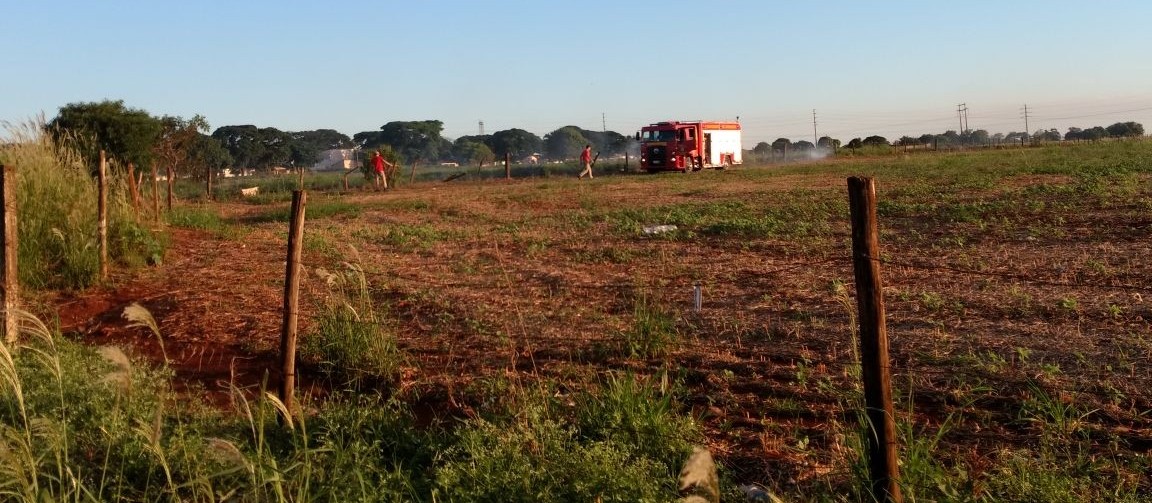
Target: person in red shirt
(586,161)
(378,176)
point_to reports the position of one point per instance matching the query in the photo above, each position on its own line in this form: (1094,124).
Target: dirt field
(1017,303)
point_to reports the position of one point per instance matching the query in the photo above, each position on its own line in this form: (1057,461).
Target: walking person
(586,161)
(378,175)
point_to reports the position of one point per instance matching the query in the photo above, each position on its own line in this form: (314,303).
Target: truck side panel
(724,143)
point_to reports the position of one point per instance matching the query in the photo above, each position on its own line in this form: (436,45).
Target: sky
(890,68)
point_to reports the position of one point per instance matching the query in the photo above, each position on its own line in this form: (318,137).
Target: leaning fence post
(102,214)
(412,174)
(874,362)
(171,179)
(155,193)
(291,300)
(507,165)
(132,187)
(10,282)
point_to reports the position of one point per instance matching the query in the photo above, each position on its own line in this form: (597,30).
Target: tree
(803,146)
(762,149)
(927,139)
(827,143)
(1125,129)
(206,153)
(258,148)
(467,151)
(875,140)
(1016,137)
(1047,135)
(516,142)
(307,145)
(176,140)
(414,140)
(907,141)
(126,134)
(855,143)
(564,143)
(781,144)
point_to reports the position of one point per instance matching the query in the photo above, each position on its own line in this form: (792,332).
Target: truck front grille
(657,156)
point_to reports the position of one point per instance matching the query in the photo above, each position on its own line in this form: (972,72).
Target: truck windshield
(665,135)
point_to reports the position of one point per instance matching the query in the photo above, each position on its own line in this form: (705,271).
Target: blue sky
(888,68)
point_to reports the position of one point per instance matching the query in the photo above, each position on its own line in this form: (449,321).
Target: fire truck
(689,146)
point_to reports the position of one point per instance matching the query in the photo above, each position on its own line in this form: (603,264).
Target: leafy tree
(126,134)
(414,140)
(781,144)
(206,152)
(762,149)
(927,139)
(323,139)
(176,140)
(565,143)
(517,142)
(875,140)
(1125,129)
(259,148)
(607,142)
(906,141)
(368,140)
(855,143)
(485,139)
(466,151)
(1047,135)
(1016,137)
(827,143)
(803,146)
(977,137)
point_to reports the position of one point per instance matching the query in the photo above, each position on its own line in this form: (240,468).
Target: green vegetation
(85,425)
(58,214)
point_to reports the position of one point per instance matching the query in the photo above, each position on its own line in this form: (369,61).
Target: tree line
(969,137)
(132,135)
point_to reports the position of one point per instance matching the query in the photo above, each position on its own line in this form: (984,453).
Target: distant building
(339,159)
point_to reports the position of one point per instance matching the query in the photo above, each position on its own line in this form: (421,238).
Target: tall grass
(350,340)
(57,200)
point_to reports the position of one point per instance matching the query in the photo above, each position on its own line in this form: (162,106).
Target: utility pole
(603,122)
(481,128)
(961,109)
(815,142)
(1026,130)
(965,117)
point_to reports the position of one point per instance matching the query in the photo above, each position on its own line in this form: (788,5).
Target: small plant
(350,339)
(653,331)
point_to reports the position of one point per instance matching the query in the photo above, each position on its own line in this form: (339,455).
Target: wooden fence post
(155,193)
(882,448)
(412,175)
(102,214)
(171,176)
(292,300)
(132,187)
(10,282)
(208,176)
(507,165)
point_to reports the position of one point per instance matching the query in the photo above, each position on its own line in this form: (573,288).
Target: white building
(336,160)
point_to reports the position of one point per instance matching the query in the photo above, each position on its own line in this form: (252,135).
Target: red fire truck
(689,146)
